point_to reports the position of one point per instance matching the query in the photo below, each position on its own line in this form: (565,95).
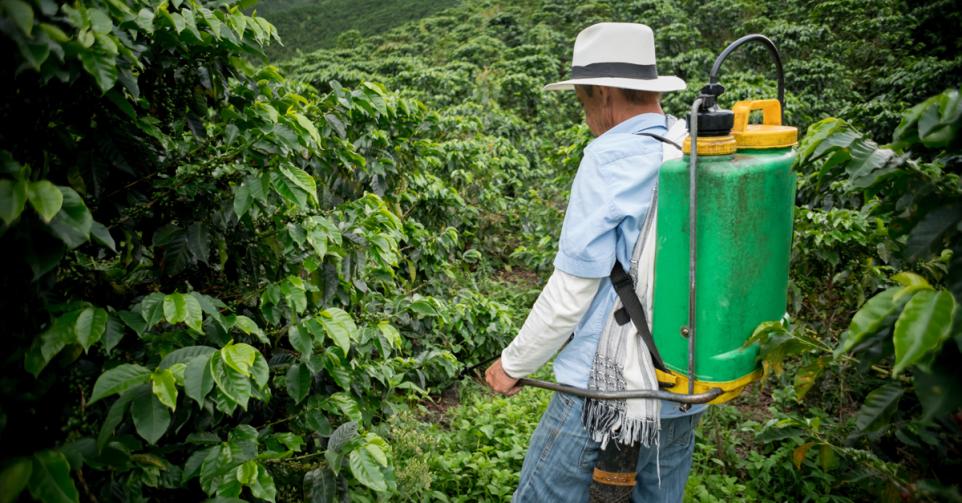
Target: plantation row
(230,282)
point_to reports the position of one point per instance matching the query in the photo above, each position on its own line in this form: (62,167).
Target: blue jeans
(561,457)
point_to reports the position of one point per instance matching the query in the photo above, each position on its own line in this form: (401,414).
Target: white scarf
(622,361)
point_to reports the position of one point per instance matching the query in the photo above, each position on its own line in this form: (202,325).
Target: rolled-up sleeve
(604,194)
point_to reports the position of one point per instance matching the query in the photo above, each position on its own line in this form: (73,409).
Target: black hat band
(614,70)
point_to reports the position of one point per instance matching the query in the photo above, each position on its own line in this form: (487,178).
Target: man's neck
(627,111)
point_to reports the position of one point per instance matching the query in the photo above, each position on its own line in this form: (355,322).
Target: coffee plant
(246,277)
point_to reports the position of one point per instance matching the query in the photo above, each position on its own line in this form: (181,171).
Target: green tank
(745,204)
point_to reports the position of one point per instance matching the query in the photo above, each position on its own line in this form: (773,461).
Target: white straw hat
(617,55)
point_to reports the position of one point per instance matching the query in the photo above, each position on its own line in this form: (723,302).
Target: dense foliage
(229,282)
(307,25)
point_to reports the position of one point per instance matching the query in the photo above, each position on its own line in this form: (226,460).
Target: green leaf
(101,235)
(320,485)
(391,334)
(301,341)
(298,382)
(185,308)
(239,357)
(13,198)
(74,221)
(198,380)
(114,333)
(246,472)
(90,326)
(55,338)
(308,126)
(151,309)
(928,234)
(289,191)
(339,326)
(116,414)
(151,418)
(118,379)
(878,407)
(939,391)
(175,308)
(302,179)
(101,66)
(925,323)
(21,13)
(423,307)
(906,278)
(366,469)
(826,457)
(263,486)
(247,325)
(870,318)
(164,387)
(242,200)
(50,480)
(260,371)
(14,478)
(171,244)
(346,405)
(185,355)
(99,21)
(231,383)
(45,198)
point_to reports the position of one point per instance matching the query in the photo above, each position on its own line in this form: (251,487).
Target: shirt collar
(637,123)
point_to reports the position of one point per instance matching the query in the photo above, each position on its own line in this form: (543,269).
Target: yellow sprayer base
(678,383)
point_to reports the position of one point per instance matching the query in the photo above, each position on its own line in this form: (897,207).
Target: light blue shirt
(610,198)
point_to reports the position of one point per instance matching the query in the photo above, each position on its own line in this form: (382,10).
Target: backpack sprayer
(737,191)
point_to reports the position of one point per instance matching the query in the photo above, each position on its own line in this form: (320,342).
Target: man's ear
(605,95)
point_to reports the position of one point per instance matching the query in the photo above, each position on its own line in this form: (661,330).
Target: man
(615,79)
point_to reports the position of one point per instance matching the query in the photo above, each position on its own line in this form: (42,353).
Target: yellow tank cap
(769,134)
(712,145)
(675,382)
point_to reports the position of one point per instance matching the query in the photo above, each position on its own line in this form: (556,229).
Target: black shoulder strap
(661,139)
(633,310)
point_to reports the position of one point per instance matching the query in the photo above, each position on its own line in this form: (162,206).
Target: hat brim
(658,85)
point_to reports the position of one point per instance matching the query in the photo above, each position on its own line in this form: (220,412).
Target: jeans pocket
(565,399)
(589,454)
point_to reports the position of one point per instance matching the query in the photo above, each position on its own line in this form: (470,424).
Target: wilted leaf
(798,455)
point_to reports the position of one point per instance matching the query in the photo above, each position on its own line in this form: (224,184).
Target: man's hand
(500,381)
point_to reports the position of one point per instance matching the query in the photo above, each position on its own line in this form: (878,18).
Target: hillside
(307,25)
(239,281)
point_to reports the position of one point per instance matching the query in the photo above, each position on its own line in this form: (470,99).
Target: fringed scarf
(622,361)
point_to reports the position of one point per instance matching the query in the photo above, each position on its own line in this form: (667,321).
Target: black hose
(624,395)
(713,76)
